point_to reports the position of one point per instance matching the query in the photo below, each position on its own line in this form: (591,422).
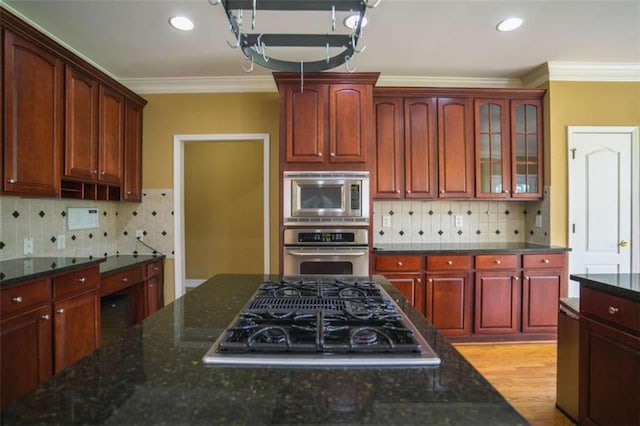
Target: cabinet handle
(612,310)
(125,279)
(430,280)
(60,311)
(498,261)
(17,299)
(399,263)
(11,180)
(449,262)
(81,280)
(516,278)
(319,154)
(545,260)
(332,154)
(46,317)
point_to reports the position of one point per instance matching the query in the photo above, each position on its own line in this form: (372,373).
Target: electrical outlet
(386,221)
(458,221)
(61,241)
(140,234)
(538,221)
(28,246)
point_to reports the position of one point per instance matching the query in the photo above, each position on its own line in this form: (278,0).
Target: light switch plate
(458,221)
(386,221)
(538,221)
(28,246)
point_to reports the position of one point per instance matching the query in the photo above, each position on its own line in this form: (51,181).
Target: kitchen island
(154,375)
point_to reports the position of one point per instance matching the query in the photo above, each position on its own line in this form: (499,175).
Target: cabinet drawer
(23,296)
(121,280)
(398,263)
(497,261)
(609,308)
(76,282)
(446,263)
(547,260)
(153,269)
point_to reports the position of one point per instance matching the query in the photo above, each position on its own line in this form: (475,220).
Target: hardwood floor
(524,373)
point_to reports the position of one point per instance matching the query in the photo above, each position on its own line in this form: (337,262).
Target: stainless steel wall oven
(326,252)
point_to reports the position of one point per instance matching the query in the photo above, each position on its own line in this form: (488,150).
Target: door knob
(624,243)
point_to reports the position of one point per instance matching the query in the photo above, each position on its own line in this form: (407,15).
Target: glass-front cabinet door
(492,148)
(526,148)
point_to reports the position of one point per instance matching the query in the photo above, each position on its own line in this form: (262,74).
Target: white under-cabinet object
(82,218)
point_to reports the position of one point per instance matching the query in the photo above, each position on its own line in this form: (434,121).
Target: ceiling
(131,39)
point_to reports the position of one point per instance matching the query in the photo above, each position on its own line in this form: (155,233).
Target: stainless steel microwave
(340,198)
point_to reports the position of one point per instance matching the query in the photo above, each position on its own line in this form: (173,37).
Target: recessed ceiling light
(351,21)
(510,24)
(181,23)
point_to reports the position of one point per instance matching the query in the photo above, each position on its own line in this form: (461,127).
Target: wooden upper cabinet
(326,121)
(419,147)
(33,82)
(349,122)
(132,184)
(110,136)
(492,148)
(455,148)
(81,125)
(306,118)
(389,161)
(526,148)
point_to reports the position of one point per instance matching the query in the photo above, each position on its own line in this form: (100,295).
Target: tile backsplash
(478,221)
(45,221)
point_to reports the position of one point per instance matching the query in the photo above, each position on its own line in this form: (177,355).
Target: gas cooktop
(321,321)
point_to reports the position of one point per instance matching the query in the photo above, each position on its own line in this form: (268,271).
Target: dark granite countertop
(464,248)
(621,285)
(14,271)
(114,264)
(154,375)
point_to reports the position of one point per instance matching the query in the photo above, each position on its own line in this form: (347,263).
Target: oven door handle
(326,253)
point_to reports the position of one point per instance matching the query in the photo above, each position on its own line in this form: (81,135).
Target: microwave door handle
(330,253)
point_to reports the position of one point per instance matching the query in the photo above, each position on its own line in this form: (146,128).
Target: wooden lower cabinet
(496,302)
(154,287)
(411,287)
(26,352)
(541,292)
(448,304)
(77,328)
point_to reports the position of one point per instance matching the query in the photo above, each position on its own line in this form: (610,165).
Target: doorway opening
(224,141)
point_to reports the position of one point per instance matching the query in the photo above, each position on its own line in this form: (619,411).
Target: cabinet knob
(60,311)
(430,280)
(81,280)
(46,317)
(545,260)
(95,172)
(150,285)
(498,261)
(156,268)
(397,191)
(506,191)
(612,310)
(442,191)
(11,180)
(419,280)
(319,154)
(103,173)
(128,192)
(449,262)
(516,278)
(125,279)
(17,299)
(332,154)
(399,263)
(408,191)
(526,277)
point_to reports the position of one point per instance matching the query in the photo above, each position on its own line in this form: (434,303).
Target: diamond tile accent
(135,213)
(1,245)
(381,232)
(63,213)
(411,213)
(449,212)
(516,232)
(105,234)
(73,237)
(164,233)
(153,213)
(104,212)
(420,233)
(469,212)
(125,233)
(90,235)
(440,232)
(430,212)
(144,233)
(41,214)
(507,212)
(15,214)
(53,239)
(459,232)
(497,232)
(478,232)
(401,232)
(391,212)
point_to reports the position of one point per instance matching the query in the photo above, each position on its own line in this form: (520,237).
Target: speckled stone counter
(115,264)
(622,285)
(18,270)
(154,375)
(465,248)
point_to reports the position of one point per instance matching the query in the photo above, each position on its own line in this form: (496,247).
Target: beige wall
(223,208)
(167,115)
(580,104)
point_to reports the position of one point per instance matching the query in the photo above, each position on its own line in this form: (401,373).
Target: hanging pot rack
(255,46)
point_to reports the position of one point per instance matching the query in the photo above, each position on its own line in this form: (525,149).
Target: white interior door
(603,200)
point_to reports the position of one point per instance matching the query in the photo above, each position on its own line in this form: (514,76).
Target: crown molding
(582,71)
(227,84)
(427,81)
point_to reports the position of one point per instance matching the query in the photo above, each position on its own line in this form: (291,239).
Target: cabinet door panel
(33,99)
(411,287)
(526,148)
(419,134)
(77,328)
(496,303)
(81,125)
(492,146)
(540,299)
(306,119)
(132,186)
(26,354)
(349,122)
(449,303)
(111,136)
(154,294)
(455,148)
(389,168)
